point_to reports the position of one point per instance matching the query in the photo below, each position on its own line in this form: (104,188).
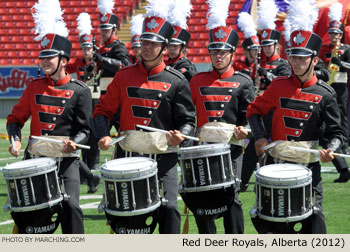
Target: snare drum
(32,184)
(131,186)
(206,167)
(283,192)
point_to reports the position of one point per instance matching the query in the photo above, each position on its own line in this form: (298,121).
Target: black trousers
(233,218)
(249,162)
(72,215)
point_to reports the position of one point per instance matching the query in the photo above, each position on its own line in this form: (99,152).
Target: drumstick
(165,131)
(13,144)
(116,140)
(224,128)
(59,141)
(317,152)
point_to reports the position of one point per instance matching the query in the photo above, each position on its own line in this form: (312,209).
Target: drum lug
(315,209)
(164,201)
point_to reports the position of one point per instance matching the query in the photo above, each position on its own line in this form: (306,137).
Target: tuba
(333,68)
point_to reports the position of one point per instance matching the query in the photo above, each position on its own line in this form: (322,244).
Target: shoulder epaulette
(37,79)
(79,83)
(175,72)
(326,86)
(243,75)
(126,67)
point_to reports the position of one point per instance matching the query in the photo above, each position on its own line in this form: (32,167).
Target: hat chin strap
(308,68)
(163,46)
(58,65)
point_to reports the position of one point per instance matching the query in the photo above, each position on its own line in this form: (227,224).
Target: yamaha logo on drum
(146,230)
(201,172)
(25,192)
(125,195)
(281,205)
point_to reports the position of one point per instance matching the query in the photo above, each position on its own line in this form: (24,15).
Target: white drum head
(133,167)
(283,173)
(29,167)
(206,150)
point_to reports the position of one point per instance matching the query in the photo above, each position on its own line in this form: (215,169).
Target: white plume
(180,11)
(303,15)
(84,24)
(267,11)
(136,25)
(287,27)
(48,19)
(158,8)
(218,12)
(246,24)
(105,6)
(335,12)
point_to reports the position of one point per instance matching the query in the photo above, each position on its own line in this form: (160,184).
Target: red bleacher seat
(200,14)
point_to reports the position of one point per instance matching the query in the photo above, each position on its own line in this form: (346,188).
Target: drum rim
(285,219)
(105,177)
(122,173)
(36,207)
(268,178)
(30,171)
(286,185)
(22,176)
(134,212)
(207,188)
(217,148)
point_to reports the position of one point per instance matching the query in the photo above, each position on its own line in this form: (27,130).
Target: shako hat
(84,28)
(303,42)
(220,36)
(51,29)
(267,11)
(180,10)
(155,26)
(335,15)
(136,30)
(107,19)
(246,24)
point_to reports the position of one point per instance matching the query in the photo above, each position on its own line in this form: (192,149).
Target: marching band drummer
(301,103)
(152,94)
(222,95)
(338,54)
(57,106)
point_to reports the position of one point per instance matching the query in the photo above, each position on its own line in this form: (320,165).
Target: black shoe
(94,183)
(343,177)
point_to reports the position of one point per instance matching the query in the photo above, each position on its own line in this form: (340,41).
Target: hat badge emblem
(86,37)
(104,18)
(152,24)
(298,39)
(45,42)
(220,34)
(256,40)
(265,34)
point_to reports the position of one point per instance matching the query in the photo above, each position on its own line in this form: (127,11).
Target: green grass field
(336,200)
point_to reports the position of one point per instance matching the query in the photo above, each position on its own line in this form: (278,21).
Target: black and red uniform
(159,98)
(341,88)
(78,67)
(299,111)
(275,66)
(245,67)
(183,65)
(57,109)
(222,98)
(115,56)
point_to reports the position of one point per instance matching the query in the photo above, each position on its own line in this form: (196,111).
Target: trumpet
(333,68)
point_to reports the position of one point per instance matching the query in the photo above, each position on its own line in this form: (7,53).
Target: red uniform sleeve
(263,103)
(21,111)
(109,103)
